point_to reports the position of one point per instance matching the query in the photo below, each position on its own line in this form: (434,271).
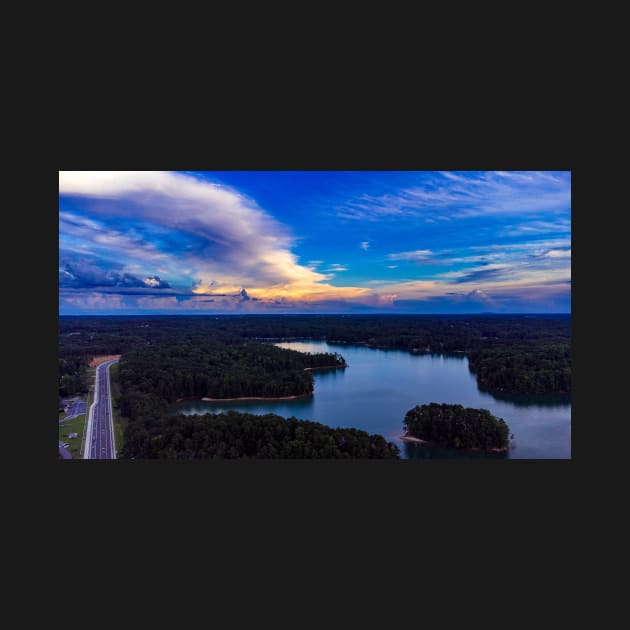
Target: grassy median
(120,422)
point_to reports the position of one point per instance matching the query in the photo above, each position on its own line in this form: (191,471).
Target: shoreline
(415,440)
(242,398)
(268,398)
(418,352)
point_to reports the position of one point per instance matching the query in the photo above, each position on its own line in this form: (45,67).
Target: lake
(380,386)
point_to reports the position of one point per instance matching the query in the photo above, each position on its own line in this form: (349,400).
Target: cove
(380,386)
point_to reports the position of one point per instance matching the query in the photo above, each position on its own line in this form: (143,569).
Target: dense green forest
(233,435)
(457,426)
(522,368)
(508,353)
(72,375)
(183,369)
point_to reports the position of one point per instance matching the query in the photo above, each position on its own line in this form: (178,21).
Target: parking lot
(74,409)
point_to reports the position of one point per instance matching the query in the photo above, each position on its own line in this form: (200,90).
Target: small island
(456,426)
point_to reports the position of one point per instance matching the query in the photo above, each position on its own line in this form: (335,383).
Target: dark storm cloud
(85,275)
(143,291)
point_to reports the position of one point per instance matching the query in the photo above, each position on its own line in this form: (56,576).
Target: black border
(387,499)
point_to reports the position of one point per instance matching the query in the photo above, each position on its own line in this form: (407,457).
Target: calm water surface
(380,386)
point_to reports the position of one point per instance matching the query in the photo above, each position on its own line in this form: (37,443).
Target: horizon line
(303,314)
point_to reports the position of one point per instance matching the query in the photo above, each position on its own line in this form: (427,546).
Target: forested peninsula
(212,368)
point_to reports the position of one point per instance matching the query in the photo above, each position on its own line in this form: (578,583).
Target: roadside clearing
(102,359)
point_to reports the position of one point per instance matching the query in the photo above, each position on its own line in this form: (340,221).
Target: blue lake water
(380,386)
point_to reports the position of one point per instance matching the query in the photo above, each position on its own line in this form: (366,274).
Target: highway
(99,442)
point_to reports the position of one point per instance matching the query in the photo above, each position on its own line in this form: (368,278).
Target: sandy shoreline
(415,440)
(270,398)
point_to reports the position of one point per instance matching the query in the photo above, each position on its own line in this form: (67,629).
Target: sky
(230,242)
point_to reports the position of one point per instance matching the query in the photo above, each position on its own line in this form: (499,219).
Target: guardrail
(88,431)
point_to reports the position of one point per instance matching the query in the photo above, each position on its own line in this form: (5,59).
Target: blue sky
(314,242)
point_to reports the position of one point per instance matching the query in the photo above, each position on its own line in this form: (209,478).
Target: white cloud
(557,253)
(530,228)
(417,255)
(524,284)
(229,228)
(364,245)
(446,195)
(555,243)
(229,240)
(107,241)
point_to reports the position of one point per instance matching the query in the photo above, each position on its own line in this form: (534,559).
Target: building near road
(73,435)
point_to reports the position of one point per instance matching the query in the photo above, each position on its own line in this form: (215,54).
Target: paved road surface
(99,443)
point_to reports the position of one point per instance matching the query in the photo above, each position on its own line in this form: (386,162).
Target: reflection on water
(380,386)
(527,400)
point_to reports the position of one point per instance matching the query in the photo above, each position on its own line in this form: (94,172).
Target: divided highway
(99,442)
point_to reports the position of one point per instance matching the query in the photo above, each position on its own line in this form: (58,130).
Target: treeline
(509,353)
(457,426)
(529,354)
(235,435)
(435,333)
(72,373)
(81,338)
(538,369)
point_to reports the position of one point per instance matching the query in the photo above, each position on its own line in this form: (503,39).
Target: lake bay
(380,386)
